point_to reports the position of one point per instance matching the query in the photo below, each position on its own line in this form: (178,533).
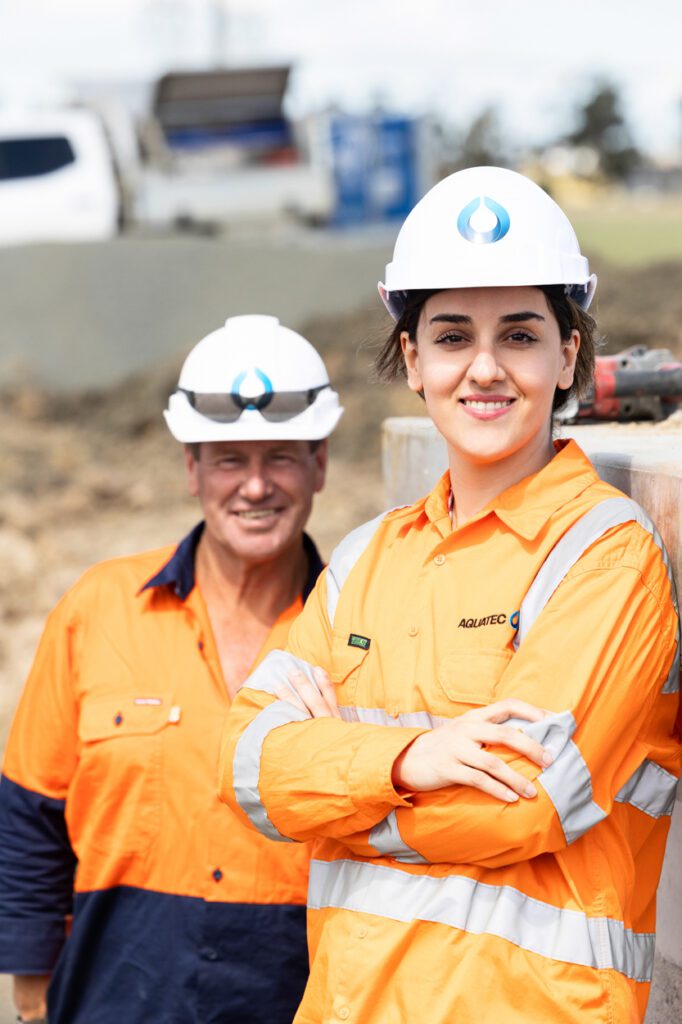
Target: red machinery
(638,383)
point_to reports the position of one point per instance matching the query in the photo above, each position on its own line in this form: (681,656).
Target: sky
(533,59)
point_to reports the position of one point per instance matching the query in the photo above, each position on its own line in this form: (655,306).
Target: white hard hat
(253,380)
(486,227)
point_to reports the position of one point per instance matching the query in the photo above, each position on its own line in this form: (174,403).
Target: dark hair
(194,447)
(390,363)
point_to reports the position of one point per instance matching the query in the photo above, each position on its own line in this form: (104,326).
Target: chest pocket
(471,676)
(115,799)
(347,662)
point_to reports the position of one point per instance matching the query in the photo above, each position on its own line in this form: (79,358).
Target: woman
(488,775)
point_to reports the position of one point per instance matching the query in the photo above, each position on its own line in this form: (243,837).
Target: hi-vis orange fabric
(451,906)
(181,912)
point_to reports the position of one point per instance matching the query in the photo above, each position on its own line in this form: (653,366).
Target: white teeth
(486,406)
(260,513)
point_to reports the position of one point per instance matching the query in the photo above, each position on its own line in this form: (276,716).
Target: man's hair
(194,448)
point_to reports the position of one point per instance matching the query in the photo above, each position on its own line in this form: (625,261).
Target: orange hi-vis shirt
(450,905)
(180,912)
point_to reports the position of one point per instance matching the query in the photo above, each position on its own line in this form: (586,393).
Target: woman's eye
(522,338)
(451,338)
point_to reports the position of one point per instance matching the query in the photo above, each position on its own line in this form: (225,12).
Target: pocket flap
(136,714)
(471,676)
(346,657)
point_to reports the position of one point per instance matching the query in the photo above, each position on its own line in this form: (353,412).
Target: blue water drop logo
(483,221)
(252,389)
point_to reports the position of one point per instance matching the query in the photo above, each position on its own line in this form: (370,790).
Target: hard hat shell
(237,358)
(486,227)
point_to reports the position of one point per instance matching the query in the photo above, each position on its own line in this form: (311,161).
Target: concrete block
(647,465)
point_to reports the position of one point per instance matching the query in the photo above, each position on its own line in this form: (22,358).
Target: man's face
(256,496)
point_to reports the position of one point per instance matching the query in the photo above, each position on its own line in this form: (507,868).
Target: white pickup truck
(57,177)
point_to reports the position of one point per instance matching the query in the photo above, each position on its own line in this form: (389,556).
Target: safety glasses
(274,406)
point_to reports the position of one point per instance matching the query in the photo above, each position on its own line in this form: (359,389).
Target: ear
(411,357)
(569,356)
(192,470)
(320,456)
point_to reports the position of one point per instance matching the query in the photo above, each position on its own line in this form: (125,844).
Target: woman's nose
(484,368)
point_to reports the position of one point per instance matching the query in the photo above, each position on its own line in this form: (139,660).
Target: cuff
(30,945)
(370,774)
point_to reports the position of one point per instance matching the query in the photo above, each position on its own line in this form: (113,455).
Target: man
(177,913)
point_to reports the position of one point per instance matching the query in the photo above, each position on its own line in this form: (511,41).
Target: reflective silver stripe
(388,842)
(480,909)
(344,557)
(406,719)
(672,684)
(274,669)
(651,789)
(247,759)
(588,529)
(567,781)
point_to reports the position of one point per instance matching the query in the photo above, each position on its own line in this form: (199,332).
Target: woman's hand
(302,694)
(455,754)
(451,754)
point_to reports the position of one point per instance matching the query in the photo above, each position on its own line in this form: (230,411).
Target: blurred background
(165,164)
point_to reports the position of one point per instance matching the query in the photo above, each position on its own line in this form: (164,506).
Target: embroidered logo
(490,620)
(363,642)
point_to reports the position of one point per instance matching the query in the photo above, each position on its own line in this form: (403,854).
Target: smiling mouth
(257,513)
(486,404)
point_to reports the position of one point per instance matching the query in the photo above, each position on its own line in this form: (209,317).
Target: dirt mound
(641,306)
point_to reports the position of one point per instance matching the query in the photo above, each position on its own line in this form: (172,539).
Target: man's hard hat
(486,227)
(253,380)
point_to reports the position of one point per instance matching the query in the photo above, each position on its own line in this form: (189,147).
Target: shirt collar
(527,505)
(178,571)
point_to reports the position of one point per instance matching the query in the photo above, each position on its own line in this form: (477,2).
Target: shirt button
(217,874)
(363,931)
(118,718)
(200,645)
(413,630)
(439,560)
(344,1013)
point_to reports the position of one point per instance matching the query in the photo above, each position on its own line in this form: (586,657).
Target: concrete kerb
(648,466)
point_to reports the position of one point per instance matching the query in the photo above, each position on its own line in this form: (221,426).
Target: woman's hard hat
(486,227)
(253,380)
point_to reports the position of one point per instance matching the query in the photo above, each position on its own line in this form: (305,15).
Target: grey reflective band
(651,789)
(405,720)
(274,669)
(567,782)
(388,842)
(481,909)
(345,556)
(563,556)
(247,756)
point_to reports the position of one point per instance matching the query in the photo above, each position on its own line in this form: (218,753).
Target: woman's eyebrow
(517,318)
(450,318)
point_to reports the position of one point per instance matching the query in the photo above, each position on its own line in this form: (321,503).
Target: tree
(481,144)
(601,126)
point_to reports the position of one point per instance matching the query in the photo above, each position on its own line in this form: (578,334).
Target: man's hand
(455,754)
(30,996)
(302,694)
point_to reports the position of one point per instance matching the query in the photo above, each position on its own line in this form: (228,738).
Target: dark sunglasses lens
(276,407)
(285,405)
(218,407)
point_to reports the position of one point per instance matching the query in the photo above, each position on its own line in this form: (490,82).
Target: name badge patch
(355,640)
